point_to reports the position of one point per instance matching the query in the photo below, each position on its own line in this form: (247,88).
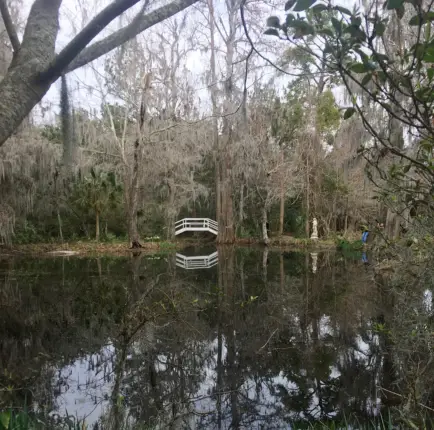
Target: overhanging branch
(9,25)
(125,34)
(92,29)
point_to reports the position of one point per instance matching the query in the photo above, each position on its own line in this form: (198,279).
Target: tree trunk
(35,67)
(282,197)
(226,233)
(225,217)
(392,225)
(241,212)
(132,205)
(133,178)
(21,89)
(222,203)
(59,220)
(265,238)
(307,204)
(133,231)
(97,225)
(171,212)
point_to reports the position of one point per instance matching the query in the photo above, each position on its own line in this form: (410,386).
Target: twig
(246,31)
(266,343)
(400,395)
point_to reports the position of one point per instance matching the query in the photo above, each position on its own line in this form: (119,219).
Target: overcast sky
(73,18)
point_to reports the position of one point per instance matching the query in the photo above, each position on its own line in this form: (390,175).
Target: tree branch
(249,39)
(92,29)
(123,35)
(10,28)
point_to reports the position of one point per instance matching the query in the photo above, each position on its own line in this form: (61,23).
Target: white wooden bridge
(197,262)
(196,224)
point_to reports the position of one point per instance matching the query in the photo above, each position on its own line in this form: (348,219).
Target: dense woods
(277,121)
(209,114)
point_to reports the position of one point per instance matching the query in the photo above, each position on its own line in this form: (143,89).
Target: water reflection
(261,340)
(197,261)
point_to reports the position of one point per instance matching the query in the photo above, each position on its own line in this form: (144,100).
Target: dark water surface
(248,339)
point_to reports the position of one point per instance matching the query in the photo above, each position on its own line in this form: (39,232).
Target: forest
(278,121)
(223,111)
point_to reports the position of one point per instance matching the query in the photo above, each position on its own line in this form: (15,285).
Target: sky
(74,17)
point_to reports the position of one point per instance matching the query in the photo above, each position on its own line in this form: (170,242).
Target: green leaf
(394,4)
(289,4)
(271,32)
(415,20)
(355,32)
(319,8)
(273,21)
(356,21)
(289,19)
(326,32)
(419,50)
(379,28)
(5,418)
(337,25)
(429,55)
(366,79)
(426,145)
(382,58)
(328,48)
(303,5)
(349,113)
(405,81)
(359,68)
(382,77)
(343,10)
(362,54)
(303,28)
(430,73)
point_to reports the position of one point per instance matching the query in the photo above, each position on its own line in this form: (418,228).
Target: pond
(204,338)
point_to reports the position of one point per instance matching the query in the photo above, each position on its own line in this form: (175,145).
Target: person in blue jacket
(365,234)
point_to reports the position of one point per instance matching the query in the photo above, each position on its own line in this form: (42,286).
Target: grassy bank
(87,248)
(153,246)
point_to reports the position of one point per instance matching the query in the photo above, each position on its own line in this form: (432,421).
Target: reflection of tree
(256,341)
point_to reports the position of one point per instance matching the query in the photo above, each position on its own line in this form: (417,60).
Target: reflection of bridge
(196,224)
(197,262)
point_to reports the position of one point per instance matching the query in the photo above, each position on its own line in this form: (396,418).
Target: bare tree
(35,65)
(159,163)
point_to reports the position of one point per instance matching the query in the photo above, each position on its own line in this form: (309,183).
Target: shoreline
(86,248)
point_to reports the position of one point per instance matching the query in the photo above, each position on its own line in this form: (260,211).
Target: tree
(97,192)
(158,169)
(228,100)
(35,65)
(384,56)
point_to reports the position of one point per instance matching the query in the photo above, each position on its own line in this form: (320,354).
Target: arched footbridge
(196,224)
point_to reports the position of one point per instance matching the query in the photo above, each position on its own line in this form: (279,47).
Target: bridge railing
(213,224)
(198,224)
(197,262)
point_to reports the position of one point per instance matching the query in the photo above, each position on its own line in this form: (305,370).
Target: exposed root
(135,244)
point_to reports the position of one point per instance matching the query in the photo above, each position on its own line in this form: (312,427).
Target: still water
(239,338)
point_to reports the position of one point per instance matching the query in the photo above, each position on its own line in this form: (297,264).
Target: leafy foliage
(381,66)
(97,193)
